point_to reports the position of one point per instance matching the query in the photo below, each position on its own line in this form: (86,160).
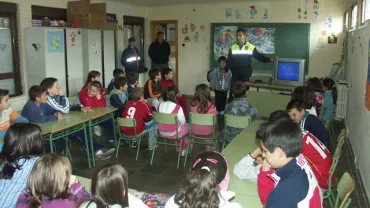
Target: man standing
(239,60)
(131,58)
(159,51)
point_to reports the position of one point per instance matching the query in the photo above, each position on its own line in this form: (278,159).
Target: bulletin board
(286,40)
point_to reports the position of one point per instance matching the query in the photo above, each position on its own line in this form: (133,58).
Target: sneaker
(112,141)
(152,147)
(97,130)
(103,157)
(106,152)
(133,144)
(183,153)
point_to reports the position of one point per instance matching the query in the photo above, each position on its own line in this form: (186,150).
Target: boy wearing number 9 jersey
(139,109)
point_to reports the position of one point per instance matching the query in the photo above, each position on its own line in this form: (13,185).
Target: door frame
(153,36)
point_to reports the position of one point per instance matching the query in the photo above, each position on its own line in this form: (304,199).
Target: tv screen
(288,71)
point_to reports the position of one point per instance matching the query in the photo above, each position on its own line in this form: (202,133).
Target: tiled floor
(162,176)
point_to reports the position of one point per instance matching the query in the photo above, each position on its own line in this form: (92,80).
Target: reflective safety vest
(247,48)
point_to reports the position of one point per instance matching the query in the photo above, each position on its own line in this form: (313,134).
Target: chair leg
(117,148)
(165,146)
(179,154)
(187,150)
(138,148)
(155,143)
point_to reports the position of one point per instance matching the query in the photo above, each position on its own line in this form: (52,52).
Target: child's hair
(49,179)
(132,77)
(96,84)
(278,115)
(136,93)
(306,95)
(21,141)
(201,98)
(222,58)
(315,84)
(295,104)
(35,92)
(48,82)
(239,89)
(283,133)
(166,71)
(91,75)
(117,72)
(3,93)
(330,84)
(169,94)
(120,82)
(201,185)
(107,187)
(153,73)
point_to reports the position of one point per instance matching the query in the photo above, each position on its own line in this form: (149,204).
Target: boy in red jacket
(293,183)
(139,109)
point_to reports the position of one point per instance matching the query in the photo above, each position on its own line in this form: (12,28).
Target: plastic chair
(170,119)
(129,122)
(203,120)
(346,186)
(240,122)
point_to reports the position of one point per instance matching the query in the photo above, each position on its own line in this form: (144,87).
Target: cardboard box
(91,21)
(111,26)
(86,11)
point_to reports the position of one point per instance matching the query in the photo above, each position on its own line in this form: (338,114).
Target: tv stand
(270,86)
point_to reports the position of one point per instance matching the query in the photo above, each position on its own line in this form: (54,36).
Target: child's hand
(60,116)
(86,109)
(256,153)
(265,165)
(259,160)
(226,75)
(98,96)
(72,180)
(179,94)
(60,92)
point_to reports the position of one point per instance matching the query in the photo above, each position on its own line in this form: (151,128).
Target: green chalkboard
(292,40)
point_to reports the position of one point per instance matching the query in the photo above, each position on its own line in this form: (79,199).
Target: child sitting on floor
(23,145)
(117,73)
(52,185)
(153,88)
(167,82)
(202,104)
(202,187)
(109,188)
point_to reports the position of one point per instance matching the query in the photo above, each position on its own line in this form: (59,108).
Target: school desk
(61,129)
(266,102)
(252,128)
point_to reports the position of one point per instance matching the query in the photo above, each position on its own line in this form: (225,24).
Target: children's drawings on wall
(185,29)
(332,39)
(196,37)
(316,9)
(228,13)
(252,12)
(328,23)
(305,13)
(265,14)
(202,27)
(367,96)
(73,39)
(224,36)
(192,27)
(187,38)
(299,10)
(204,39)
(262,38)
(323,33)
(320,43)
(55,41)
(238,14)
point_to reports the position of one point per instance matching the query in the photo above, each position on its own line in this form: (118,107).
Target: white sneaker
(152,147)
(222,112)
(183,153)
(97,130)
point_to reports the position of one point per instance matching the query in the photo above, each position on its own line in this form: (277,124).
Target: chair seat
(204,137)
(174,136)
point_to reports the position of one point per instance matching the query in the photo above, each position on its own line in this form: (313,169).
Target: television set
(289,71)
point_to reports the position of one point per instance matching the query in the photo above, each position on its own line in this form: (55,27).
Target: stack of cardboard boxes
(92,16)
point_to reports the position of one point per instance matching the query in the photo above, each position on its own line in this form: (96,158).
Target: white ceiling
(168,2)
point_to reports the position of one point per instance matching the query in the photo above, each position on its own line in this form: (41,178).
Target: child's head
(239,90)
(133,78)
(315,84)
(155,74)
(121,84)
(167,74)
(50,178)
(296,110)
(280,140)
(201,186)
(278,115)
(94,88)
(22,140)
(110,186)
(37,94)
(51,86)
(222,62)
(169,94)
(118,72)
(201,98)
(305,95)
(92,76)
(329,84)
(137,93)
(4,99)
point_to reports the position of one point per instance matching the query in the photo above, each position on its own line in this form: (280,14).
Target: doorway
(170,30)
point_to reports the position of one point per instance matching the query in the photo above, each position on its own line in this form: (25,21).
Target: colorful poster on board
(228,13)
(55,41)
(224,37)
(262,38)
(367,97)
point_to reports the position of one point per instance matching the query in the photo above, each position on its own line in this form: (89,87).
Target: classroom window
(354,16)
(134,27)
(346,20)
(366,10)
(10,77)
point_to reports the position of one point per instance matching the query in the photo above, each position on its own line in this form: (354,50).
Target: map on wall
(225,36)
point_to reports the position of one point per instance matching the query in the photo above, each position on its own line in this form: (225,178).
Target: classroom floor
(162,176)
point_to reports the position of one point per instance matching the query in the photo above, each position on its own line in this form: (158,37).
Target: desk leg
(114,129)
(87,146)
(51,143)
(91,144)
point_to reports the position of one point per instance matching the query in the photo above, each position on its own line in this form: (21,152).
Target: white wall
(194,57)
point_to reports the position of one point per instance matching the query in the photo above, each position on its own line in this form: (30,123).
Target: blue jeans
(79,137)
(149,127)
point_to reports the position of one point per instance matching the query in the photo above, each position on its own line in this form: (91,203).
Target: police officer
(239,60)
(131,58)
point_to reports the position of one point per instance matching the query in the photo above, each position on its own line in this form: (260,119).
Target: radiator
(341,107)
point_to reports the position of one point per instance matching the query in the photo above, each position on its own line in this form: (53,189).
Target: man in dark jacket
(159,51)
(131,58)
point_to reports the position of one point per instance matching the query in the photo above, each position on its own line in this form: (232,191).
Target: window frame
(352,27)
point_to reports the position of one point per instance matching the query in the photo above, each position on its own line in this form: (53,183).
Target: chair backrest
(330,120)
(237,121)
(165,118)
(72,100)
(203,119)
(322,113)
(127,122)
(342,135)
(346,186)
